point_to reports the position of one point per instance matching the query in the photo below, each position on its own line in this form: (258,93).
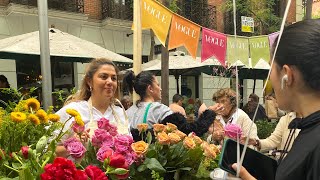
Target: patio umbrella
(181,64)
(71,48)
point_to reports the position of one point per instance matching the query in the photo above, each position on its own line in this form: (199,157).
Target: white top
(278,138)
(83,108)
(157,112)
(243,120)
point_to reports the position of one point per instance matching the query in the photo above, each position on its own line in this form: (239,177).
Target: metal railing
(63,5)
(118,9)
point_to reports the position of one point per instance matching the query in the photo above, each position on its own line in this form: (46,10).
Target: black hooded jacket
(303,160)
(199,127)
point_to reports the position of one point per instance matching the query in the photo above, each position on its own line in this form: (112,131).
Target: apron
(121,128)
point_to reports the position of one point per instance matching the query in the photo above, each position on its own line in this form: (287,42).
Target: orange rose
(209,150)
(158,127)
(196,139)
(189,143)
(163,138)
(174,138)
(142,127)
(140,147)
(180,134)
(170,127)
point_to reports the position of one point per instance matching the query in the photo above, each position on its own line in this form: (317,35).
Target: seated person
(251,106)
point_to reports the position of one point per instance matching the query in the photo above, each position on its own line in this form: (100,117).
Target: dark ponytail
(128,81)
(139,83)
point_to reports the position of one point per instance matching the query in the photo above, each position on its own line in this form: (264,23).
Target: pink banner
(272,37)
(213,44)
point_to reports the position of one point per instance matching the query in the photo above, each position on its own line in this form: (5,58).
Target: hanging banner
(213,44)
(259,49)
(238,52)
(184,33)
(272,38)
(156,17)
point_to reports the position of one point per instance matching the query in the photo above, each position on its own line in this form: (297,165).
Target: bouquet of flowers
(173,154)
(108,151)
(24,132)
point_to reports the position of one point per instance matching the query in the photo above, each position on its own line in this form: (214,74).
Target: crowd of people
(295,79)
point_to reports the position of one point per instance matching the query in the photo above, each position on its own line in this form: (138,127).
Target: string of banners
(183,32)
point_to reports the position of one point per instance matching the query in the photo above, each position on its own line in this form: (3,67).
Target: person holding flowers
(94,101)
(149,111)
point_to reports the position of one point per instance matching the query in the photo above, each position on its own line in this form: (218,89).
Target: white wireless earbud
(284,78)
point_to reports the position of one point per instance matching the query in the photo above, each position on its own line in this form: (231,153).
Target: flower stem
(10,168)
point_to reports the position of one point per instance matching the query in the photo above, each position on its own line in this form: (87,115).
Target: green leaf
(25,174)
(142,168)
(153,164)
(16,165)
(120,171)
(41,144)
(149,137)
(185,168)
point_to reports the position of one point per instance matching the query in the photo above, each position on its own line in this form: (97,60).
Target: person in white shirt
(96,100)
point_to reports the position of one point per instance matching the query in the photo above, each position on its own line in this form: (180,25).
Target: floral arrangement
(24,132)
(29,137)
(173,154)
(108,151)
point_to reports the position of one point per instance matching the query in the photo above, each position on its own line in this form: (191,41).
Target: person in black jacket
(251,106)
(295,77)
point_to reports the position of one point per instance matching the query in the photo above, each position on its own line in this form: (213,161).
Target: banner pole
(137,38)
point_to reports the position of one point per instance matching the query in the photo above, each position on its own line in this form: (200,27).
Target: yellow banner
(184,32)
(156,17)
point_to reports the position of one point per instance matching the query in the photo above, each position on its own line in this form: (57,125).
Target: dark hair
(254,97)
(299,46)
(139,83)
(176,98)
(92,68)
(4,79)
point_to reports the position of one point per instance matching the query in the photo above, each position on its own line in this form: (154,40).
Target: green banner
(259,49)
(239,52)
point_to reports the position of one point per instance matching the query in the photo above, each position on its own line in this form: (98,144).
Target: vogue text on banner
(157,17)
(184,32)
(213,44)
(247,24)
(239,51)
(259,49)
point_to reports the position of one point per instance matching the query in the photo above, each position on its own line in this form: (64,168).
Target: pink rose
(103,153)
(70,140)
(102,136)
(76,149)
(130,157)
(122,143)
(76,128)
(233,131)
(104,123)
